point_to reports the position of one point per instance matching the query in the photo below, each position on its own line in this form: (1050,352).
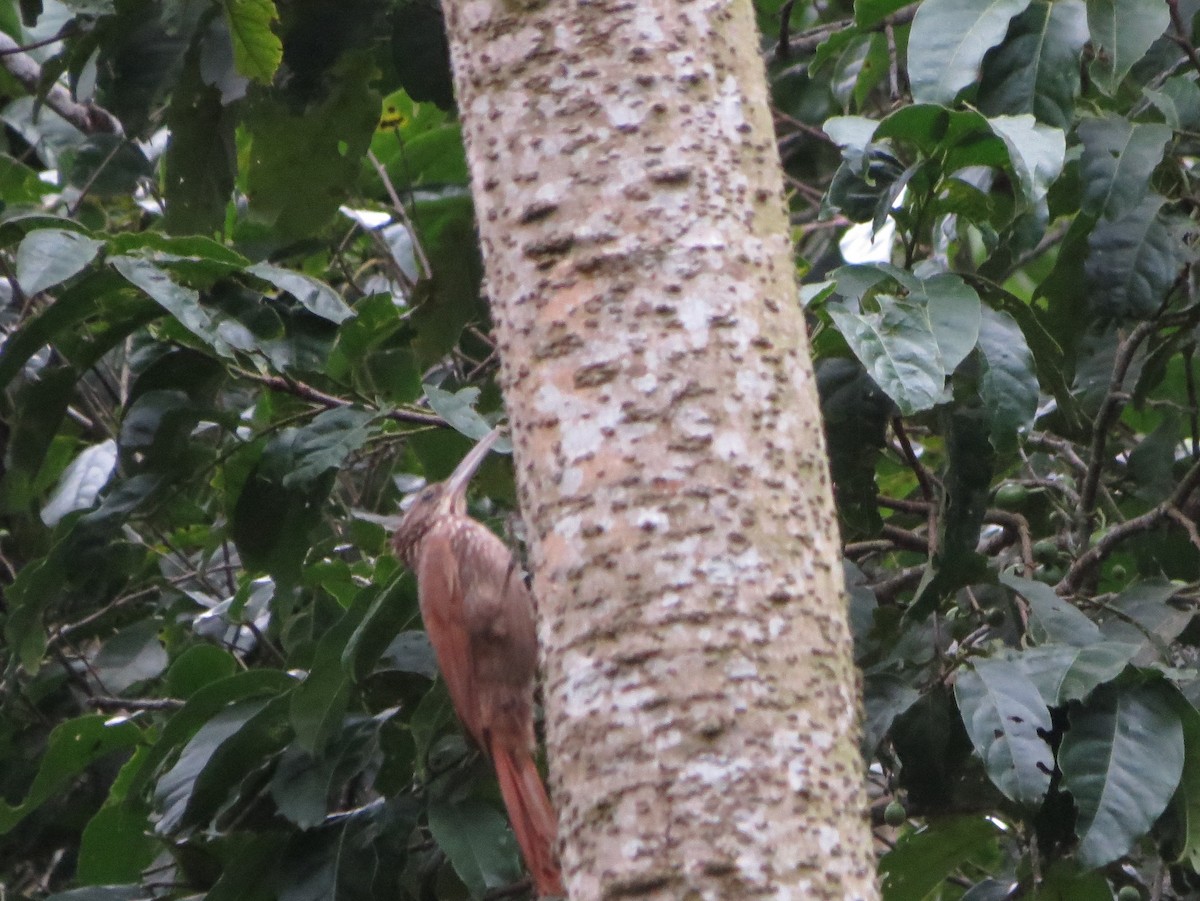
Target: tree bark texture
(700,693)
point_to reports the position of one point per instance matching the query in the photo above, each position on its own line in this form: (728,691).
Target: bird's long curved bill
(470,463)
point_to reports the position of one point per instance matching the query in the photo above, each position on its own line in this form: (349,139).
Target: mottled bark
(700,693)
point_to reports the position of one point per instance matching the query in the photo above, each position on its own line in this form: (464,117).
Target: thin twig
(66,32)
(1181,34)
(924,479)
(330,401)
(104,702)
(1109,409)
(783,48)
(402,212)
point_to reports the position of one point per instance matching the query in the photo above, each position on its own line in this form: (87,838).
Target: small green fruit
(895,814)
(1011,496)
(1129,893)
(1045,551)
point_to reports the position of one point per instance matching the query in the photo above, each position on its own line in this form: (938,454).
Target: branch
(104,702)
(1144,523)
(331,401)
(88,118)
(1104,419)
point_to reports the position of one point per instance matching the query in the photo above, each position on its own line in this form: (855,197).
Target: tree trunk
(700,693)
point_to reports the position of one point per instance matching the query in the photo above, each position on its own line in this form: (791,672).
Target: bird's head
(439,500)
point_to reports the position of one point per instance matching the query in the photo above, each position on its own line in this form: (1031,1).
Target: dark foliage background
(240,331)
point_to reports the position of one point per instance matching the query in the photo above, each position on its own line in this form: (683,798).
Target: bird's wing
(440,589)
(498,610)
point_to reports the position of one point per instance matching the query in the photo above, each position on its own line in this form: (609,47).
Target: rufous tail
(532,817)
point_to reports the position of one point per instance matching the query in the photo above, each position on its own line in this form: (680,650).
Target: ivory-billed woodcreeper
(480,620)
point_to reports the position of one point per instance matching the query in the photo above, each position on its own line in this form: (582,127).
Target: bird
(480,619)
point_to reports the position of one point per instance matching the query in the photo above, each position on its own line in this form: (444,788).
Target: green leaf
(1009,386)
(1037,153)
(1122,31)
(948,41)
(302,163)
(257,50)
(314,295)
(476,838)
(182,303)
(222,753)
(324,444)
(421,54)
(1178,101)
(1143,615)
(954,315)
(1051,617)
(1187,798)
(1004,715)
(19,184)
(319,702)
(1119,157)
(1036,69)
(198,666)
(73,746)
(133,655)
(201,159)
(898,348)
(1065,673)
(855,413)
(81,482)
(924,859)
(1133,261)
(458,409)
(393,609)
(869,12)
(116,846)
(885,697)
(49,256)
(1119,788)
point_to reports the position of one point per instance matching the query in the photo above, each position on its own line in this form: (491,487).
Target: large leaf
(1036,69)
(72,747)
(948,41)
(1037,153)
(1133,261)
(49,256)
(1187,798)
(181,302)
(323,444)
(1051,617)
(1009,384)
(898,348)
(1006,719)
(1118,159)
(921,861)
(201,159)
(954,315)
(1065,673)
(477,840)
(1120,787)
(303,162)
(316,296)
(1122,31)
(319,702)
(200,709)
(218,757)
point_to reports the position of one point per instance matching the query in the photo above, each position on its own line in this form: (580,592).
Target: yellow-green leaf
(257,50)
